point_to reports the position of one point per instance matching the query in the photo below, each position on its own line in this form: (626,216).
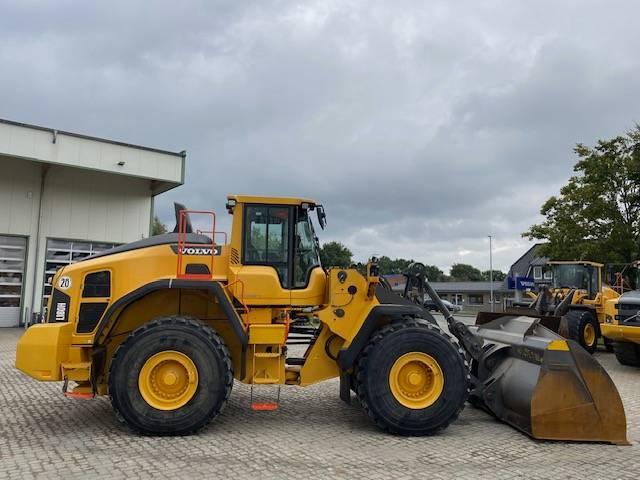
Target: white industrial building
(64,196)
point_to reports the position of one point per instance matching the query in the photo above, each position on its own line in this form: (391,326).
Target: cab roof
(575,262)
(271,200)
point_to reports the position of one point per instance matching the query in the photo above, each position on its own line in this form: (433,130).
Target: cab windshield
(307,251)
(583,277)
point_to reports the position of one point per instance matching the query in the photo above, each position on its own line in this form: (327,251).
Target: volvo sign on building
(65,196)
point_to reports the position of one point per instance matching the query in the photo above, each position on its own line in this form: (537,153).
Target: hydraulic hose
(471,343)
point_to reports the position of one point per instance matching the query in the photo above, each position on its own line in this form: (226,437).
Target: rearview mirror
(322,217)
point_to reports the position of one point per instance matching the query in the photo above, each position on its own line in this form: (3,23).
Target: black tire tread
(360,369)
(162,322)
(575,323)
(627,353)
(608,344)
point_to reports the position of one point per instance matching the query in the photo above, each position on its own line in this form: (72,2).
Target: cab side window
(266,239)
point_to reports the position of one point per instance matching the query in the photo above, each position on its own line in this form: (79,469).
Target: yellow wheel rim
(416,380)
(589,334)
(168,380)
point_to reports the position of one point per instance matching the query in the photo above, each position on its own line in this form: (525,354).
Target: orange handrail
(183,245)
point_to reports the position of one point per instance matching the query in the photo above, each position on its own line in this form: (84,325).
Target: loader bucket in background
(555,324)
(548,387)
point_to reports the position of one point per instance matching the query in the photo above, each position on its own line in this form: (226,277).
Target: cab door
(266,252)
(309,279)
(280,260)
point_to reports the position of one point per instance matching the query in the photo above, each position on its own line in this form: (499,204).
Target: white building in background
(64,196)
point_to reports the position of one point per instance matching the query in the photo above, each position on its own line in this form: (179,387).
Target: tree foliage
(597,214)
(388,266)
(157,227)
(498,275)
(335,254)
(462,272)
(434,274)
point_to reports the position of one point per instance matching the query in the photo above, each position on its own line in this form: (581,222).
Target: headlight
(608,319)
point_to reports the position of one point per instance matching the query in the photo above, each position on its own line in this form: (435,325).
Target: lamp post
(490,273)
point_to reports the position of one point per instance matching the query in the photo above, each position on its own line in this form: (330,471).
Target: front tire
(627,353)
(608,344)
(583,328)
(412,379)
(171,376)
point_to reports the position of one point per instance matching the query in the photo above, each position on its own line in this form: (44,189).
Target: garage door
(12,261)
(65,252)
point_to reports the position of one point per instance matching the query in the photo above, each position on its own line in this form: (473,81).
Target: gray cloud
(422,126)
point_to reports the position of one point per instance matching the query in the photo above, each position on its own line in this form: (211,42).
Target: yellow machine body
(265,313)
(263,290)
(596,299)
(621,323)
(576,301)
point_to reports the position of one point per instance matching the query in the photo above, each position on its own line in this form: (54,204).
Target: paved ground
(313,435)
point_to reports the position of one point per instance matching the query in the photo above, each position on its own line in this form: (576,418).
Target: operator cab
(277,244)
(582,276)
(281,237)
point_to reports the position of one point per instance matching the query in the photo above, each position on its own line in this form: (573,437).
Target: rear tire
(627,353)
(199,347)
(430,412)
(608,344)
(583,328)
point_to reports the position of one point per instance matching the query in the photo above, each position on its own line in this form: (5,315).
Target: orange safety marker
(79,395)
(264,406)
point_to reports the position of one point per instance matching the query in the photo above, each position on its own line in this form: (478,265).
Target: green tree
(335,254)
(157,227)
(498,275)
(434,274)
(597,214)
(388,266)
(462,272)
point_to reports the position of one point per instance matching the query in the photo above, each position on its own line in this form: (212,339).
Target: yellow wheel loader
(165,325)
(621,326)
(573,304)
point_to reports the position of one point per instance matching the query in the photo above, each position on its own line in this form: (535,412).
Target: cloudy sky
(422,126)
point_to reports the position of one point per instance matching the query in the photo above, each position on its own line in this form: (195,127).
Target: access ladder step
(295,361)
(265,381)
(80,395)
(82,391)
(260,401)
(267,354)
(264,406)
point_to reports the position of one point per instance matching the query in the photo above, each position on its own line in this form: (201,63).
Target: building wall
(52,146)
(76,205)
(476,301)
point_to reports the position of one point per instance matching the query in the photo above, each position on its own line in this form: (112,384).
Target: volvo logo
(199,251)
(202,251)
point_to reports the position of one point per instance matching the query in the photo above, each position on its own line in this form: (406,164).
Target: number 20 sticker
(64,283)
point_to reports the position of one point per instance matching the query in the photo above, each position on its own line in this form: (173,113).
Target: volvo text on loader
(165,325)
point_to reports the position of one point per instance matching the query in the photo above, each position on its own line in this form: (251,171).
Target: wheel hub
(168,380)
(589,334)
(416,380)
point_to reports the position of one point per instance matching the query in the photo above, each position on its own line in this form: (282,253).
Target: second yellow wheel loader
(165,325)
(573,304)
(621,326)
